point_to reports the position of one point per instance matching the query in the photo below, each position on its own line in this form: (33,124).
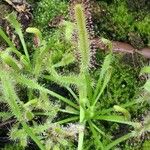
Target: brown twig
(122,47)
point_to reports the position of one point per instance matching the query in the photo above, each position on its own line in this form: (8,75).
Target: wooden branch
(122,47)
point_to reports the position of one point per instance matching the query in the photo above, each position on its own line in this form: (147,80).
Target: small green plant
(82,106)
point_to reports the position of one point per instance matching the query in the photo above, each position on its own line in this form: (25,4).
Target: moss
(46,10)
(138,5)
(124,84)
(12,147)
(143,27)
(122,20)
(118,19)
(136,40)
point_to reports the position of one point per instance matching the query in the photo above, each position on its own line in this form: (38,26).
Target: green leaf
(83,38)
(10,61)
(69,29)
(5,115)
(10,94)
(14,23)
(146,145)
(119,140)
(34,31)
(6,38)
(118,119)
(71,119)
(34,85)
(66,60)
(13,50)
(122,110)
(103,75)
(98,143)
(25,63)
(104,84)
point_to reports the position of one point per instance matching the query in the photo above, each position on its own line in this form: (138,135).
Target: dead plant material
(122,47)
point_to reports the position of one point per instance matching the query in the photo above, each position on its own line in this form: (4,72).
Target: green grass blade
(81,137)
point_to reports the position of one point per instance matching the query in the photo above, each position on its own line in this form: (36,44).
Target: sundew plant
(82,128)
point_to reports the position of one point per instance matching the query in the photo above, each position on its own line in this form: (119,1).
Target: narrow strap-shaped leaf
(10,61)
(64,80)
(6,38)
(14,50)
(98,129)
(104,84)
(104,70)
(12,19)
(98,143)
(12,99)
(72,93)
(119,140)
(69,111)
(118,119)
(10,94)
(83,38)
(32,84)
(68,120)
